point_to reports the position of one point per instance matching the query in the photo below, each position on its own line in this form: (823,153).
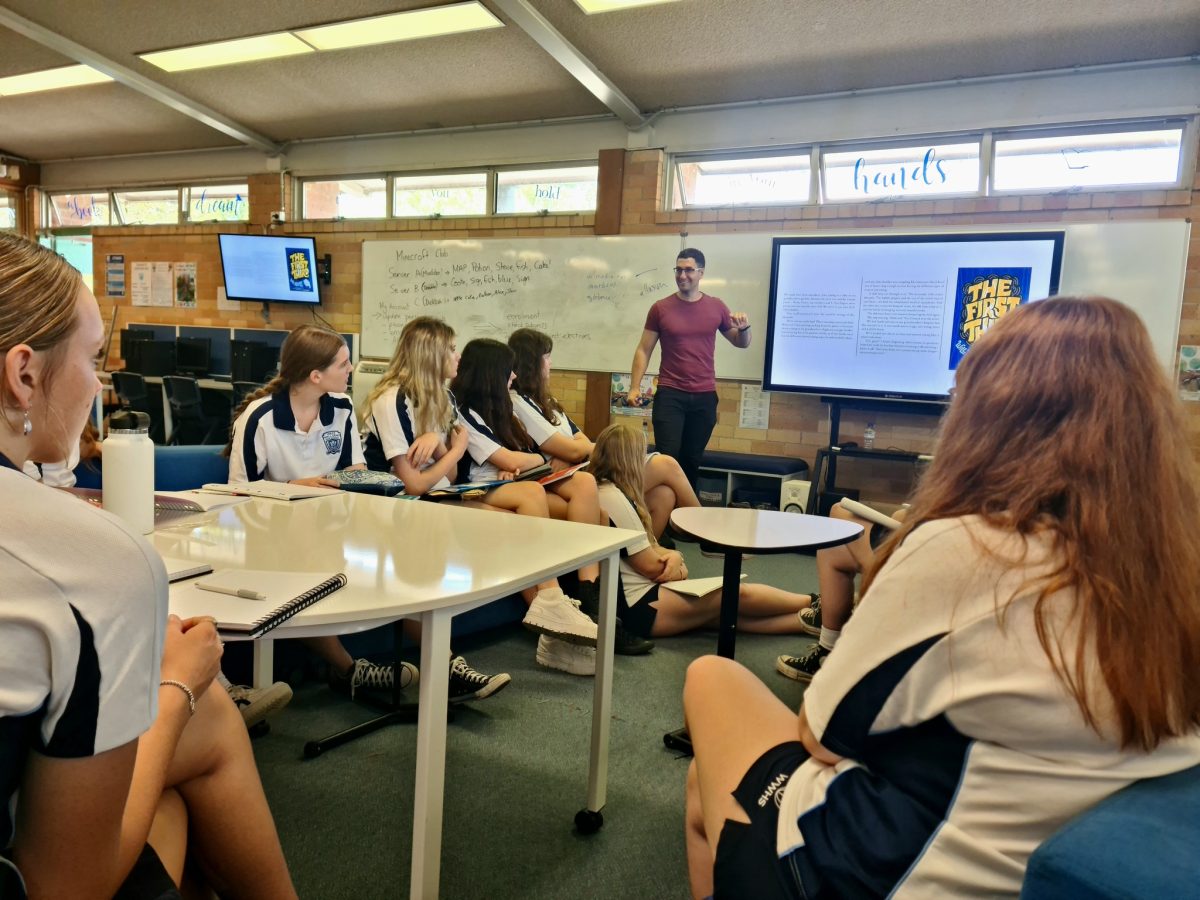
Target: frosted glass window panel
(451,194)
(218,203)
(919,170)
(77,250)
(79,210)
(346,198)
(562,189)
(744,181)
(8,212)
(159,206)
(1115,159)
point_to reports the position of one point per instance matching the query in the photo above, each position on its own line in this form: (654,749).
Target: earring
(27,426)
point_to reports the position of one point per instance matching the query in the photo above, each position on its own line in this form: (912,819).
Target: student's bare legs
(331,650)
(665,488)
(733,719)
(168,833)
(576,499)
(231,827)
(762,609)
(837,568)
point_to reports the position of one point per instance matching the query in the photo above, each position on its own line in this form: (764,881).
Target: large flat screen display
(891,316)
(270,269)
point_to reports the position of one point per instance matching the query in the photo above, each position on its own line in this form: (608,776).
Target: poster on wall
(162,285)
(139,283)
(1189,373)
(185,284)
(754,411)
(114,274)
(620,387)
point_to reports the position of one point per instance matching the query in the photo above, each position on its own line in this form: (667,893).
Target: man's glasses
(680,271)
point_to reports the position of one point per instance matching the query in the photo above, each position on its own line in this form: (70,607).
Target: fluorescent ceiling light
(50,79)
(224,53)
(603,6)
(405,26)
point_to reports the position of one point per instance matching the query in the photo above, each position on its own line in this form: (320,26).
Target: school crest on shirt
(333,441)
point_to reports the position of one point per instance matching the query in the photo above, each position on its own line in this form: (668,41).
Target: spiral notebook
(229,596)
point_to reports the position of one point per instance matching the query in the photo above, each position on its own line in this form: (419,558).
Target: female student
(647,607)
(415,430)
(111,736)
(299,428)
(1026,643)
(664,486)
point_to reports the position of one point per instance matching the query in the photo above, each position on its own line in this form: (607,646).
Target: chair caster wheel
(588,821)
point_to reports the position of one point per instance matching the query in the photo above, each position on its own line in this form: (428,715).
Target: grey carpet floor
(515,774)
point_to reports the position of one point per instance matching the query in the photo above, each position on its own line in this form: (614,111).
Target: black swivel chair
(191,425)
(131,391)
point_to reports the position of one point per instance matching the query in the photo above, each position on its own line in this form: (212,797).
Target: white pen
(232,592)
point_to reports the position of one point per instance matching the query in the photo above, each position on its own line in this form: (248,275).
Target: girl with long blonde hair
(1027,641)
(648,607)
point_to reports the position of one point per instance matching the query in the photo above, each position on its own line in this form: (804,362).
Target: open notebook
(275,490)
(230,597)
(541,474)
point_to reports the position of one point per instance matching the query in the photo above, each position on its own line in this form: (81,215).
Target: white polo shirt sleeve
(538,426)
(248,456)
(481,444)
(389,414)
(622,514)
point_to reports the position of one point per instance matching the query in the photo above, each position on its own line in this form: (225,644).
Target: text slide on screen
(591,294)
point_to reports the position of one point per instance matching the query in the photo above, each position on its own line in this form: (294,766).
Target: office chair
(191,425)
(131,391)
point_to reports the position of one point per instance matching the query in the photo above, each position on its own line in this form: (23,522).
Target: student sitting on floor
(664,486)
(645,605)
(116,759)
(1026,645)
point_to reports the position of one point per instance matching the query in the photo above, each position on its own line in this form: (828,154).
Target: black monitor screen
(130,336)
(193,355)
(271,269)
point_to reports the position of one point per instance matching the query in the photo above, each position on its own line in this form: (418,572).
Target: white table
(427,561)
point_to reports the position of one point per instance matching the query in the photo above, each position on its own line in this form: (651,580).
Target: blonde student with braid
(646,605)
(414,430)
(664,485)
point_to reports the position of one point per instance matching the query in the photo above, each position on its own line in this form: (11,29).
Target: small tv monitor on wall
(263,268)
(890,316)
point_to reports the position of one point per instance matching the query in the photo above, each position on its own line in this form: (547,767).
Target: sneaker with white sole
(802,668)
(255,704)
(370,676)
(572,658)
(810,617)
(556,615)
(468,684)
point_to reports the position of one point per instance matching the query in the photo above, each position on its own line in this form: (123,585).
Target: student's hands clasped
(674,568)
(192,652)
(421,450)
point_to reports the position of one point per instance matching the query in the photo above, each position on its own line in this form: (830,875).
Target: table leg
(589,819)
(731,583)
(429,789)
(264,663)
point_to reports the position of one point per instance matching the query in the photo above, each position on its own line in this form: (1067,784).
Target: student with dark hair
(1026,645)
(686,322)
(115,758)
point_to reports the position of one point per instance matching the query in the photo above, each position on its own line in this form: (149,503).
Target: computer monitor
(154,358)
(193,356)
(131,341)
(253,361)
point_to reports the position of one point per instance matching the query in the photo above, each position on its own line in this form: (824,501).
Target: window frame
(899,144)
(675,188)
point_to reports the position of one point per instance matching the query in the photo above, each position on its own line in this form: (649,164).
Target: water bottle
(869,436)
(127,464)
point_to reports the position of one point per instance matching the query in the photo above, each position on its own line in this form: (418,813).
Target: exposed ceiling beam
(581,68)
(137,81)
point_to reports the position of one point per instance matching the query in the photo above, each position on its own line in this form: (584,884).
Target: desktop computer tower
(253,361)
(151,358)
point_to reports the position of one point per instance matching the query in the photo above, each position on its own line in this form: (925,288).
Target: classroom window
(561,189)
(454,194)
(1084,159)
(8,211)
(916,170)
(345,198)
(75,249)
(79,210)
(158,206)
(745,181)
(217,203)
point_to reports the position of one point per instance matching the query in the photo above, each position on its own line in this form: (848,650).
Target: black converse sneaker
(802,668)
(370,676)
(468,684)
(810,618)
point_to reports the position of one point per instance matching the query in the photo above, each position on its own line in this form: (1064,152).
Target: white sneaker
(555,614)
(255,704)
(555,654)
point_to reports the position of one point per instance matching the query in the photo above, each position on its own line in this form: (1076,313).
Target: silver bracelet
(187,690)
(740,330)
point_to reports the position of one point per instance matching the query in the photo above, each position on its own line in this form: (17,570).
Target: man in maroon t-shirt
(687,322)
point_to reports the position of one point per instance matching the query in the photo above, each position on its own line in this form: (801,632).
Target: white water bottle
(127,464)
(869,436)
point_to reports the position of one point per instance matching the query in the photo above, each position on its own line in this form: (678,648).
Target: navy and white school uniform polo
(267,444)
(540,428)
(481,444)
(390,432)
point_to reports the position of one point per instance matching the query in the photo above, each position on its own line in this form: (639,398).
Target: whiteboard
(591,294)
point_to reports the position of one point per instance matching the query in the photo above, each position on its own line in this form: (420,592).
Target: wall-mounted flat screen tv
(263,268)
(890,316)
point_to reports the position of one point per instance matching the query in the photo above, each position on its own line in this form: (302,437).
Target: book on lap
(274,490)
(285,593)
(541,474)
(696,587)
(869,513)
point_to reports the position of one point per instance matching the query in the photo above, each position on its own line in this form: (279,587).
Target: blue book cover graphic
(985,296)
(300,275)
